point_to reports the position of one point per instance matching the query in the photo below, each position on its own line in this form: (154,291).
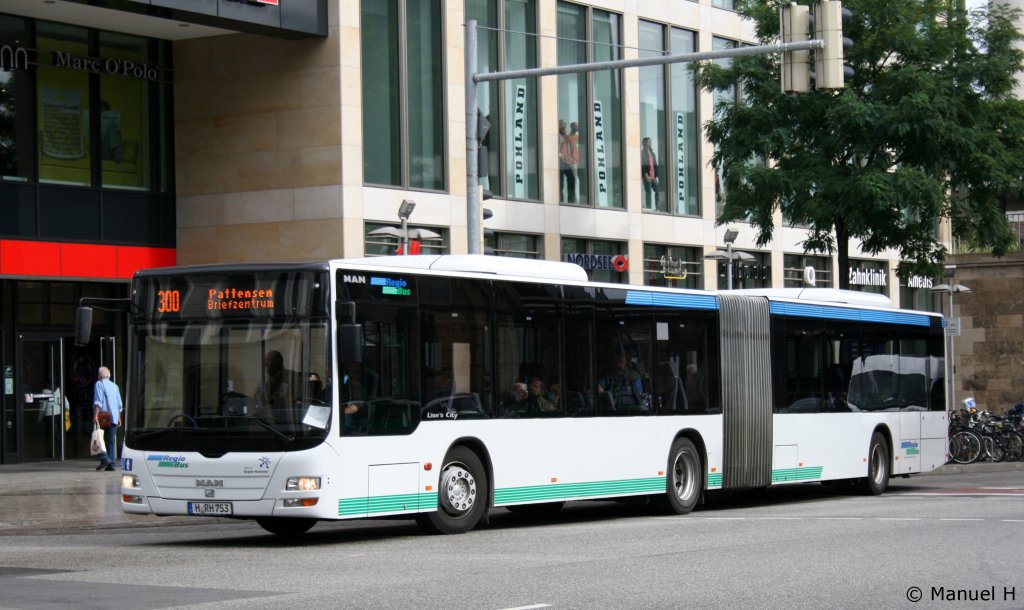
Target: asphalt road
(956,538)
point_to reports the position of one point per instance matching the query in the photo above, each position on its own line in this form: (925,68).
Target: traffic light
(829,70)
(796,65)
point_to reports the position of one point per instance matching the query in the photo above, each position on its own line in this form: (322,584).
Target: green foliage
(927,127)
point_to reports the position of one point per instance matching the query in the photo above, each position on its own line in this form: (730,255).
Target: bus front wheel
(877,480)
(286,526)
(684,477)
(461,495)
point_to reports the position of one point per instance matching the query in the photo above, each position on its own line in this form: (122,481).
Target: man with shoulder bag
(107,409)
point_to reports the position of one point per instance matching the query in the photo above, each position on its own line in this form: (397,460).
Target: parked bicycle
(975,435)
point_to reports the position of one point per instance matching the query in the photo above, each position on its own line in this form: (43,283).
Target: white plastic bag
(97,445)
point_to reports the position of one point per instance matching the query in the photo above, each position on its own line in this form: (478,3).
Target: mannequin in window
(568,160)
(649,174)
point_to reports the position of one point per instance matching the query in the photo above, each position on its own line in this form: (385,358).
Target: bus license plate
(209,508)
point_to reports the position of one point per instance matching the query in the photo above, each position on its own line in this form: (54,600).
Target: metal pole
(405,236)
(768,49)
(729,272)
(473,218)
(952,354)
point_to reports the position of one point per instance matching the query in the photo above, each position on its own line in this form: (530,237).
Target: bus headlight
(130,481)
(302,484)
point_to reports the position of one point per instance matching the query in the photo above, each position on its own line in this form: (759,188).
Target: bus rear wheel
(286,527)
(877,480)
(684,481)
(461,495)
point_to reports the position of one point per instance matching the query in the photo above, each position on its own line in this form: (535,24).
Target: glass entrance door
(44,413)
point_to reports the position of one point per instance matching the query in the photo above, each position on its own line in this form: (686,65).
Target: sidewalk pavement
(46,496)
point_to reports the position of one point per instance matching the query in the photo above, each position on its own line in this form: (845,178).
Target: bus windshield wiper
(288,438)
(141,436)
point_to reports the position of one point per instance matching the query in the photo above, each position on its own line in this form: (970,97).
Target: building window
(652,120)
(794,269)
(15,102)
(720,97)
(685,140)
(726,4)
(403,93)
(65,156)
(756,273)
(383,244)
(604,261)
(916,293)
(673,266)
(669,141)
(589,109)
(869,276)
(65,99)
(509,106)
(515,245)
(124,116)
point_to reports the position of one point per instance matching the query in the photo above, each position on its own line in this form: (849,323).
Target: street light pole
(404,212)
(951,288)
(728,249)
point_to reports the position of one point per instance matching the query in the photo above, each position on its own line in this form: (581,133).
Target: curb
(975,468)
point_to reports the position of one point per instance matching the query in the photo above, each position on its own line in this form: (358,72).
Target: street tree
(927,127)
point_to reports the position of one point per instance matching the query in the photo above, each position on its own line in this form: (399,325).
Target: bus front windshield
(222,386)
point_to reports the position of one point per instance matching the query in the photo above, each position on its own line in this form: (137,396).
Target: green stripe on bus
(807,473)
(386,504)
(555,491)
(564,491)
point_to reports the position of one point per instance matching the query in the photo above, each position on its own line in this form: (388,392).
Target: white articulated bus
(442,386)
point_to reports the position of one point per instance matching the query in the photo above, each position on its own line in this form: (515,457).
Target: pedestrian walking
(107,409)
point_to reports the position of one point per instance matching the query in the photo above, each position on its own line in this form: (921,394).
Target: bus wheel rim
(877,472)
(683,475)
(458,491)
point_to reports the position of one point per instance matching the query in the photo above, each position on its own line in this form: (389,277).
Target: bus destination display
(217,296)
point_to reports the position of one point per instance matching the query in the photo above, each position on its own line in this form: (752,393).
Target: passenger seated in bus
(536,401)
(693,384)
(622,386)
(276,393)
(514,404)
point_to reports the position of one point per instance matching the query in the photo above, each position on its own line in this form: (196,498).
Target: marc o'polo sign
(110,66)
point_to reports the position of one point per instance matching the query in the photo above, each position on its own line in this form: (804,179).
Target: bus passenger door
(935,421)
(912,388)
(908,452)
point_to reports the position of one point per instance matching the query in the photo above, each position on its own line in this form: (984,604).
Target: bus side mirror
(350,333)
(350,342)
(83,325)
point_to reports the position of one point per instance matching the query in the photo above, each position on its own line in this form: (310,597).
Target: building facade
(155,132)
